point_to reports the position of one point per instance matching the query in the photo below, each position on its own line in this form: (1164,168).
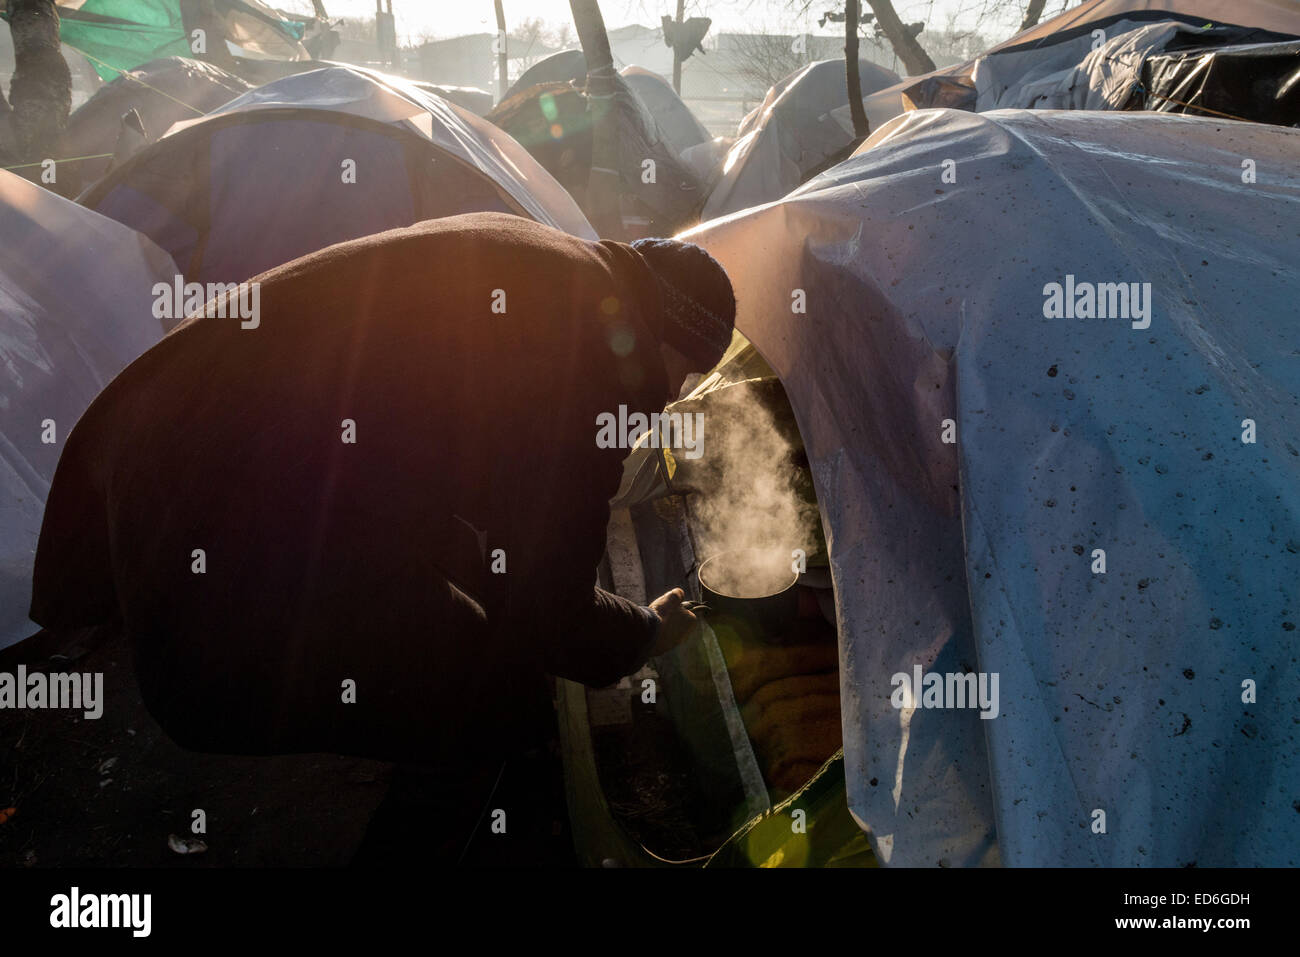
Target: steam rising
(747,500)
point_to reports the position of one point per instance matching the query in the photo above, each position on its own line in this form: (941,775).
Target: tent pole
(677,57)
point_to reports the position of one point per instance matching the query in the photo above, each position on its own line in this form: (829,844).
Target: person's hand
(676,622)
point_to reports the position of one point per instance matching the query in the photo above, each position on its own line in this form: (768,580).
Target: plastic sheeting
(76,293)
(1099,73)
(674,118)
(1081,73)
(1063,63)
(1258,82)
(120,35)
(1119,692)
(266,178)
(161,92)
(802,124)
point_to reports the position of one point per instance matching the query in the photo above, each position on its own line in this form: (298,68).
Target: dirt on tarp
(109,792)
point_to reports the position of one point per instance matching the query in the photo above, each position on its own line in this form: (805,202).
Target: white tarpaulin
(76,294)
(1114,530)
(1086,72)
(801,125)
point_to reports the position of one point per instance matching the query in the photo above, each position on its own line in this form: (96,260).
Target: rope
(1190,106)
(136,79)
(69,159)
(689,860)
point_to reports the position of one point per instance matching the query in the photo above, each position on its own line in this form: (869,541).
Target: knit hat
(699,308)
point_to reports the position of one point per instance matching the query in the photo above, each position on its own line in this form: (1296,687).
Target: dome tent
(76,293)
(802,126)
(318,158)
(1121,686)
(679,125)
(162,92)
(566,66)
(556,121)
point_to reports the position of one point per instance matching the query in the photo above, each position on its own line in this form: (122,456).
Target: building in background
(470,60)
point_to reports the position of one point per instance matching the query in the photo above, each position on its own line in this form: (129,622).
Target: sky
(447,18)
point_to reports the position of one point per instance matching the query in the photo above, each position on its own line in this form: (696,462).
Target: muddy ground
(109,792)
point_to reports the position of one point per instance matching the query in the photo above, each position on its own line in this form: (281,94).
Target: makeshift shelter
(76,293)
(477,101)
(119,35)
(1092,57)
(1258,82)
(318,158)
(1103,511)
(679,125)
(566,66)
(660,192)
(162,92)
(802,126)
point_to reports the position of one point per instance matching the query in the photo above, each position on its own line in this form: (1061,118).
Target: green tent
(119,35)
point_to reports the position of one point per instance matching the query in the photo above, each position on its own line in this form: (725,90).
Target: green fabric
(120,35)
(830,837)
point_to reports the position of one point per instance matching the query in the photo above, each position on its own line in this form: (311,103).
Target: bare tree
(530,40)
(956,44)
(562,36)
(915,60)
(901,36)
(362,30)
(761,60)
(1005,14)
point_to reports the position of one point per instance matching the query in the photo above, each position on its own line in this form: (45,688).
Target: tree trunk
(1032,14)
(41,90)
(503,57)
(861,128)
(915,60)
(604,204)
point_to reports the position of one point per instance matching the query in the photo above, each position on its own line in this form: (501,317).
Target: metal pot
(767,617)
